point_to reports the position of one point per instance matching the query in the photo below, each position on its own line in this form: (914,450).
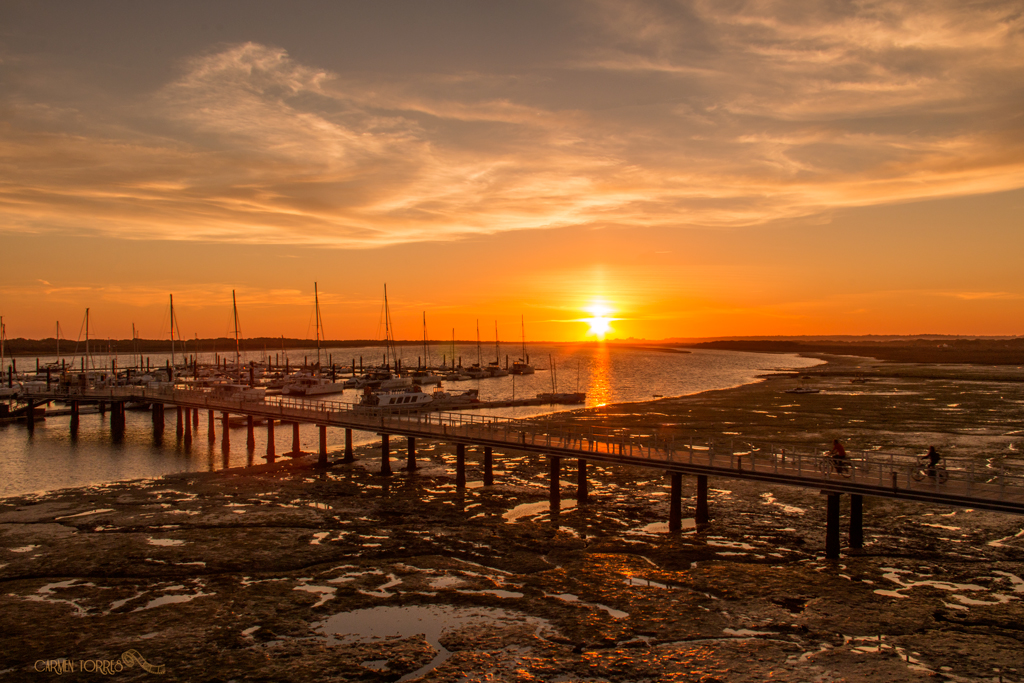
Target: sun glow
(600,323)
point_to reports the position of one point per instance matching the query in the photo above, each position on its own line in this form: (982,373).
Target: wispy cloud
(764,111)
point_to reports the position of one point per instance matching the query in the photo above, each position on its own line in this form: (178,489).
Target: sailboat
(522,366)
(494,367)
(313,383)
(424,375)
(476,370)
(237,390)
(457,374)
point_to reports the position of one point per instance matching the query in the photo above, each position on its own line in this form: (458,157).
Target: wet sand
(290,573)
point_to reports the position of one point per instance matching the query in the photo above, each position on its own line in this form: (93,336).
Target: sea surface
(50,458)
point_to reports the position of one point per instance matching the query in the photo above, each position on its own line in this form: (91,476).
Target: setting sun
(600,323)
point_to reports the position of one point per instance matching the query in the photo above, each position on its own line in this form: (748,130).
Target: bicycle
(831,465)
(923,469)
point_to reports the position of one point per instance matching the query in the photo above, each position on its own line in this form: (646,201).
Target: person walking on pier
(839,457)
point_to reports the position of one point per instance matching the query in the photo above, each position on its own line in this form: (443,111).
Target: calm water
(50,458)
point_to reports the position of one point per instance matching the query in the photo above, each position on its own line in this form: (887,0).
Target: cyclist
(933,461)
(839,457)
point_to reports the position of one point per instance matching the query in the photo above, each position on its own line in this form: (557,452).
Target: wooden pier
(878,475)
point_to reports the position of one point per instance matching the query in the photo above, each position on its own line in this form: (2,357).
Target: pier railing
(884,473)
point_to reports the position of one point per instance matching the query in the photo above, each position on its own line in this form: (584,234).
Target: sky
(678,169)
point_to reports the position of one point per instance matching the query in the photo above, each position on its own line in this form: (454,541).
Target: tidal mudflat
(287,572)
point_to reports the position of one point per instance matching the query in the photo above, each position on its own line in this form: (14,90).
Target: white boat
(496,370)
(457,375)
(476,372)
(425,377)
(443,399)
(310,385)
(411,398)
(237,392)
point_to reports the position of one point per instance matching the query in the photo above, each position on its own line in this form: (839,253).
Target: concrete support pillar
(250,433)
(488,466)
(411,454)
(271,450)
(212,429)
(385,454)
(856,521)
(675,503)
(30,416)
(349,455)
(296,446)
(195,420)
(179,427)
(460,465)
(225,444)
(832,527)
(702,518)
(581,481)
(188,426)
(322,460)
(555,463)
(74,410)
(103,407)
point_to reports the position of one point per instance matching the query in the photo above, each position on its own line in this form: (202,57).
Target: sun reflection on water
(599,390)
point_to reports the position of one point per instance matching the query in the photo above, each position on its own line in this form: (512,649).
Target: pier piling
(701,516)
(488,466)
(460,465)
(250,433)
(349,456)
(188,426)
(211,429)
(675,505)
(832,527)
(582,492)
(322,461)
(555,463)
(225,444)
(179,426)
(856,521)
(385,454)
(271,451)
(296,445)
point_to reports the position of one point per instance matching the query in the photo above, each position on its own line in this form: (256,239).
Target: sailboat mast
(522,323)
(389,344)
(58,341)
(319,323)
(453,348)
(497,349)
(426,352)
(172,332)
(478,358)
(2,335)
(238,357)
(88,358)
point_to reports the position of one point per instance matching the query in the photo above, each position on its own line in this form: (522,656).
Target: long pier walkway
(871,474)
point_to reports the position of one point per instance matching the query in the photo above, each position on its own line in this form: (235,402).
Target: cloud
(670,114)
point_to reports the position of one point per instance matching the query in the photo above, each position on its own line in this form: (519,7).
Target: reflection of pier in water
(872,474)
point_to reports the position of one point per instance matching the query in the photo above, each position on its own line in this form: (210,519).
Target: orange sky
(703,172)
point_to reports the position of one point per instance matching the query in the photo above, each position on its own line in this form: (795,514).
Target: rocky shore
(287,572)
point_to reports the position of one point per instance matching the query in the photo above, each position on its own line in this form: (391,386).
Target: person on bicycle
(839,457)
(933,461)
